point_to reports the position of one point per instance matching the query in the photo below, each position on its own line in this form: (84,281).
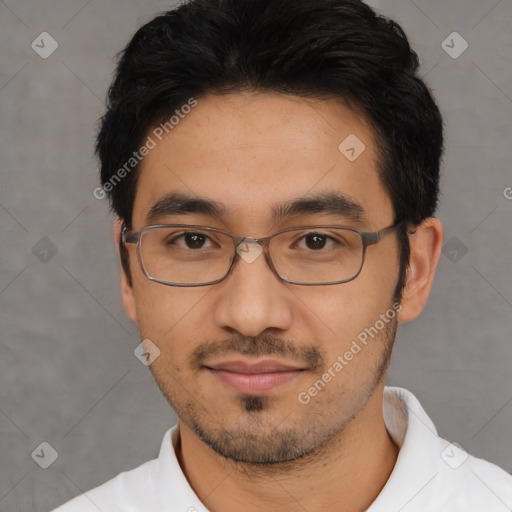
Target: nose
(252,298)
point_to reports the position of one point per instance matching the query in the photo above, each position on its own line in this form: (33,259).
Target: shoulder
(432,474)
(470,483)
(127,489)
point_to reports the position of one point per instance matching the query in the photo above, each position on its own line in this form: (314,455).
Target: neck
(347,475)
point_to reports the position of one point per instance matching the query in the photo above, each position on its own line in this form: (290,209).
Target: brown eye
(315,241)
(190,240)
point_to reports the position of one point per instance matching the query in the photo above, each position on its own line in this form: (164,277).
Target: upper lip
(263,366)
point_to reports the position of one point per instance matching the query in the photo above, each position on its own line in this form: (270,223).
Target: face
(252,152)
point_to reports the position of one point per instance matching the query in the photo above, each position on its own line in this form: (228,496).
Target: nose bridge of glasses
(250,249)
(249,239)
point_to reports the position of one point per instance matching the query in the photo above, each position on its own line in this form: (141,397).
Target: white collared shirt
(430,474)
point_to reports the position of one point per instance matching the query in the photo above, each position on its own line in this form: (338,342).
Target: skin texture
(251,151)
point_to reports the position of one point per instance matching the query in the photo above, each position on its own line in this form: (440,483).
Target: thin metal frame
(367,238)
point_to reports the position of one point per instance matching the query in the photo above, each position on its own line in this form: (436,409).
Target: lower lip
(255,382)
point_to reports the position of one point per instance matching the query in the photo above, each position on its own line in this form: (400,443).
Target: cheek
(170,317)
(341,312)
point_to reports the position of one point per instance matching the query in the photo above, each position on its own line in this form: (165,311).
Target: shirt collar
(174,489)
(416,436)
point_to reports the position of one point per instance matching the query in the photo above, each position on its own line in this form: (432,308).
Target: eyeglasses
(190,255)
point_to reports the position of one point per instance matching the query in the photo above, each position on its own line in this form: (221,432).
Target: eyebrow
(332,203)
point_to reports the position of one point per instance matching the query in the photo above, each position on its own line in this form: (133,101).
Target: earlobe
(127,292)
(426,244)
(128,297)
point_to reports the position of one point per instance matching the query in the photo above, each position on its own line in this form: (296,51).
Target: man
(274,165)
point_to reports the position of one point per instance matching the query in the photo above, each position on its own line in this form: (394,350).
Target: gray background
(68,375)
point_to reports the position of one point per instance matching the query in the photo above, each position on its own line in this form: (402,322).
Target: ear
(127,293)
(426,244)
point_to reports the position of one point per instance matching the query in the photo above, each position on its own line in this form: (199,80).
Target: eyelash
(302,237)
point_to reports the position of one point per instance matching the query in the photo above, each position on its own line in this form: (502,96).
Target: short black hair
(311,48)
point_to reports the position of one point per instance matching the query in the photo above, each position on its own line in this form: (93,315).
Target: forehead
(253,152)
